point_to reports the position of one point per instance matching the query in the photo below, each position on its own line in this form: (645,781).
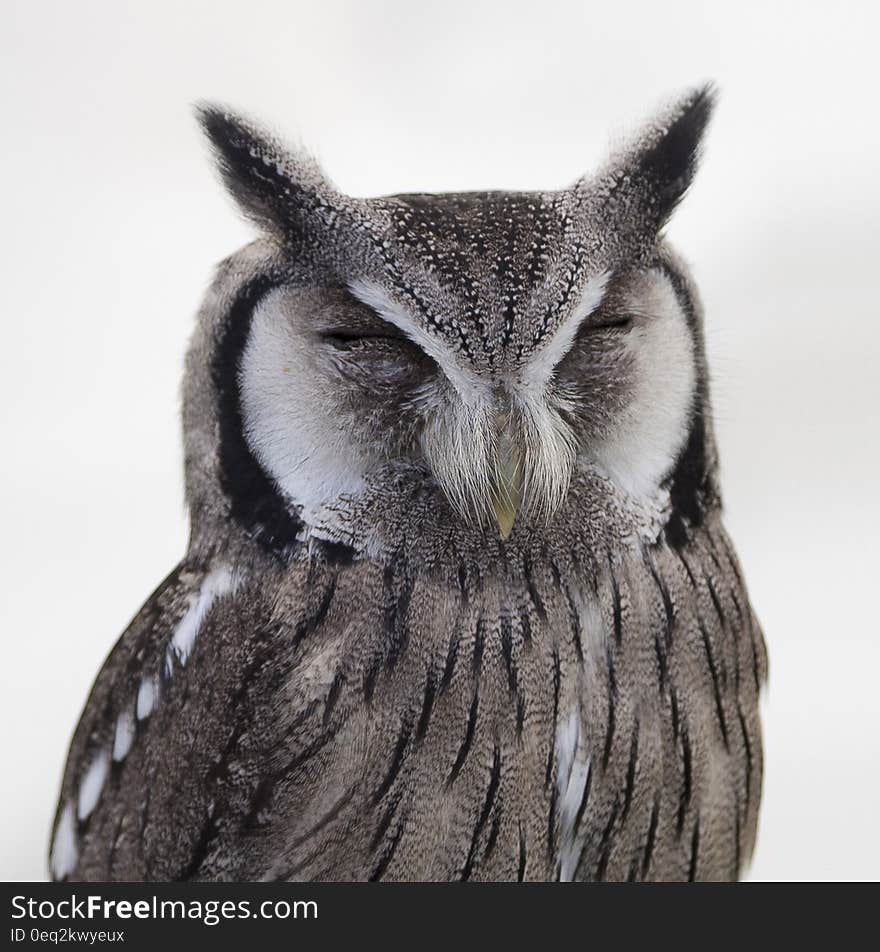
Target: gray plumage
(355,673)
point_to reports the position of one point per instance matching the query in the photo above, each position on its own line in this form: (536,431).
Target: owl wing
(99,823)
(213,708)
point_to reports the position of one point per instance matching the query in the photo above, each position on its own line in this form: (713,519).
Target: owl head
(471,356)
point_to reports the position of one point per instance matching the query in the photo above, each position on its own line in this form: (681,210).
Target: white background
(112,222)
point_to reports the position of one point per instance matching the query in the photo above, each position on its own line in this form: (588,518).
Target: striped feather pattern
(369,723)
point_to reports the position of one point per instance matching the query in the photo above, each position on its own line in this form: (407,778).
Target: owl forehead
(492,273)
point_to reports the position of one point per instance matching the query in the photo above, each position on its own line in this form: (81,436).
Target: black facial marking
(255,502)
(691,489)
(687,487)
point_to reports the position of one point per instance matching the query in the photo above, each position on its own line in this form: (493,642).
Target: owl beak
(507,489)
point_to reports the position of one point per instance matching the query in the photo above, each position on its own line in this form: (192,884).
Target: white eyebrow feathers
(541,365)
(469,386)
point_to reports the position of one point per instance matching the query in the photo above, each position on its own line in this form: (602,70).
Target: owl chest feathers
(364,722)
(560,722)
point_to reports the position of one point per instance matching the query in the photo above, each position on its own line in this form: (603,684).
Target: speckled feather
(388,691)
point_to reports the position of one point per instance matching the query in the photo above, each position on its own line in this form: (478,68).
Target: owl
(458,602)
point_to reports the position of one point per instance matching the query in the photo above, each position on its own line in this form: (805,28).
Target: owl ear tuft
(659,165)
(669,160)
(280,190)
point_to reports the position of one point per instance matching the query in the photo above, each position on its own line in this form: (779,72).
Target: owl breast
(554,720)
(546,717)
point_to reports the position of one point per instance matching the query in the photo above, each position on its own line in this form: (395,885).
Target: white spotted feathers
(219,582)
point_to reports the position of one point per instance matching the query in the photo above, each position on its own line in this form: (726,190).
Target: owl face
(489,344)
